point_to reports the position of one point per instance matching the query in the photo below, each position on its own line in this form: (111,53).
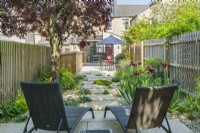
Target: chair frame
(141,90)
(63,121)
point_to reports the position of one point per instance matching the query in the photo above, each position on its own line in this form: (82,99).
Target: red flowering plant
(139,63)
(150,69)
(135,64)
(136,75)
(132,64)
(165,64)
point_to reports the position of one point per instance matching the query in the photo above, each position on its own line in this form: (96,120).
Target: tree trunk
(55,59)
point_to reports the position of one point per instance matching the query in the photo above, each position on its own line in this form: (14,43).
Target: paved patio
(98,103)
(99,122)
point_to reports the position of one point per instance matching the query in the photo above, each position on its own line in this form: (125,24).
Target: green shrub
(103,82)
(171,21)
(67,79)
(76,102)
(99,74)
(116,79)
(119,57)
(13,110)
(84,91)
(155,62)
(188,105)
(71,102)
(21,118)
(20,100)
(110,87)
(44,75)
(79,78)
(198,84)
(84,99)
(106,92)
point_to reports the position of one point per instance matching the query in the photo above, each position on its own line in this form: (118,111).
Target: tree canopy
(168,19)
(67,16)
(55,20)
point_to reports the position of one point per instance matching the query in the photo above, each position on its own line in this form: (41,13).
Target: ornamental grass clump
(116,79)
(135,75)
(103,82)
(187,104)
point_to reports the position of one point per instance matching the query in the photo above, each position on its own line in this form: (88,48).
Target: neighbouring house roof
(130,10)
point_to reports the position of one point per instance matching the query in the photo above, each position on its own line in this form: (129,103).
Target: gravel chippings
(193,125)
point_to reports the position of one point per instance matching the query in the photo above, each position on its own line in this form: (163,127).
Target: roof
(130,10)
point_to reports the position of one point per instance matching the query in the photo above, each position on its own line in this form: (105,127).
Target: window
(125,24)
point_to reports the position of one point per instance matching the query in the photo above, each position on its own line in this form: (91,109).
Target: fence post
(134,52)
(166,58)
(142,53)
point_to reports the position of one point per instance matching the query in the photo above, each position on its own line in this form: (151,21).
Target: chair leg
(92,113)
(105,112)
(60,123)
(25,128)
(31,130)
(169,129)
(137,130)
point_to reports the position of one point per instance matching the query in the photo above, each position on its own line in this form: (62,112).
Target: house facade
(122,16)
(121,19)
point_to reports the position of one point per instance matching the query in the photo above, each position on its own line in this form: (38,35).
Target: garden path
(100,100)
(98,103)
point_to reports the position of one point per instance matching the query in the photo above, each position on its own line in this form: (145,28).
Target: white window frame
(122,22)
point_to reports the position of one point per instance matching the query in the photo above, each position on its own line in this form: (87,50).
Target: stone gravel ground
(194,125)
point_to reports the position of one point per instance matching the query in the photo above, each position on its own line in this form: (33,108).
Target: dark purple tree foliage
(55,20)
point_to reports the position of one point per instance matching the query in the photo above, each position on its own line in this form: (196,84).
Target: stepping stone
(100,91)
(102,97)
(100,105)
(87,82)
(94,86)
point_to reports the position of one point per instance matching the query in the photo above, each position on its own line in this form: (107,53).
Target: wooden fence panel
(185,59)
(155,48)
(183,54)
(72,59)
(19,62)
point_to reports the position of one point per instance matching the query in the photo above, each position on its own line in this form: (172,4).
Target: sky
(141,2)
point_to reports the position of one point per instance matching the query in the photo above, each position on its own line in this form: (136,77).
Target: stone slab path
(100,100)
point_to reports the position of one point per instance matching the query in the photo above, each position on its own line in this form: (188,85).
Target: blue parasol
(111,40)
